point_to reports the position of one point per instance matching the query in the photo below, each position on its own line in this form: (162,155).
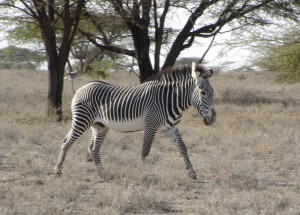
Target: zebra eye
(202,93)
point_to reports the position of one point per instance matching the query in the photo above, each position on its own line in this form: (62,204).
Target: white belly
(137,124)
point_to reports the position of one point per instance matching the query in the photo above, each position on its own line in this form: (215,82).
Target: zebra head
(203,93)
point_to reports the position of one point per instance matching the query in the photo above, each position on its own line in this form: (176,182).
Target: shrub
(100,68)
(283,59)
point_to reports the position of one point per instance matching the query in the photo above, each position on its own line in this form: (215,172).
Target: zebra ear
(207,73)
(200,71)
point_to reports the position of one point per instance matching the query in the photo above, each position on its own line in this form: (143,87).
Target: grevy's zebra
(157,103)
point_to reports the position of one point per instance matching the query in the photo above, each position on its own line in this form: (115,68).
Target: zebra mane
(178,73)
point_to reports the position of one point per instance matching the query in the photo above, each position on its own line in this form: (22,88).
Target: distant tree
(13,57)
(149,24)
(52,18)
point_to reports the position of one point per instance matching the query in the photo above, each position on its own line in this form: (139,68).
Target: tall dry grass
(247,162)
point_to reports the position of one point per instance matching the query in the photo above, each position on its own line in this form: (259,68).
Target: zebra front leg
(149,134)
(177,140)
(99,133)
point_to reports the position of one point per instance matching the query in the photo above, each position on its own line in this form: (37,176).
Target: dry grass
(248,162)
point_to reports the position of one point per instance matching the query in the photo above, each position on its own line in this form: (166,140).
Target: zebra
(156,104)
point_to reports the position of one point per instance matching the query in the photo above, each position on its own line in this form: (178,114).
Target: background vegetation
(143,30)
(13,57)
(283,57)
(247,162)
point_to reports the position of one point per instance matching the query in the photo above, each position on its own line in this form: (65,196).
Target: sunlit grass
(246,163)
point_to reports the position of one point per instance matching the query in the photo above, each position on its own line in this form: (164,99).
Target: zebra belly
(137,124)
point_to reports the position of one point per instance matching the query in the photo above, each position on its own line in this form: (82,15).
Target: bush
(100,68)
(283,59)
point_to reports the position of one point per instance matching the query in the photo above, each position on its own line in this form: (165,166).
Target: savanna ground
(248,162)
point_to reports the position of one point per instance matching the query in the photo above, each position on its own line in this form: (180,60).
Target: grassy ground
(248,162)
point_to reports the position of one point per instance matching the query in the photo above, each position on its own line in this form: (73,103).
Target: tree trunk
(56,68)
(177,47)
(145,68)
(142,46)
(55,87)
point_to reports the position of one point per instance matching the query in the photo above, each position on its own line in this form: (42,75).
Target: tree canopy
(151,30)
(57,22)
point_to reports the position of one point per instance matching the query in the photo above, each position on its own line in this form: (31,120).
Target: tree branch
(79,8)
(109,48)
(159,30)
(30,13)
(211,42)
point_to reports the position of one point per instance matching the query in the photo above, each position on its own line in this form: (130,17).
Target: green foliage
(26,33)
(94,21)
(100,68)
(283,59)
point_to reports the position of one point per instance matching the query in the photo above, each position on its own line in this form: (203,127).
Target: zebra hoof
(57,171)
(100,171)
(192,174)
(89,157)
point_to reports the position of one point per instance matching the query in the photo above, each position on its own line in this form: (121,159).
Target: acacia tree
(147,23)
(146,20)
(52,18)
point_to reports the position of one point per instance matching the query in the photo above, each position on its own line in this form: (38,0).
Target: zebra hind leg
(68,141)
(99,132)
(89,157)
(176,138)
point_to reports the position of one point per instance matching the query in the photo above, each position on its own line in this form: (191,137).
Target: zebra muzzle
(209,120)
